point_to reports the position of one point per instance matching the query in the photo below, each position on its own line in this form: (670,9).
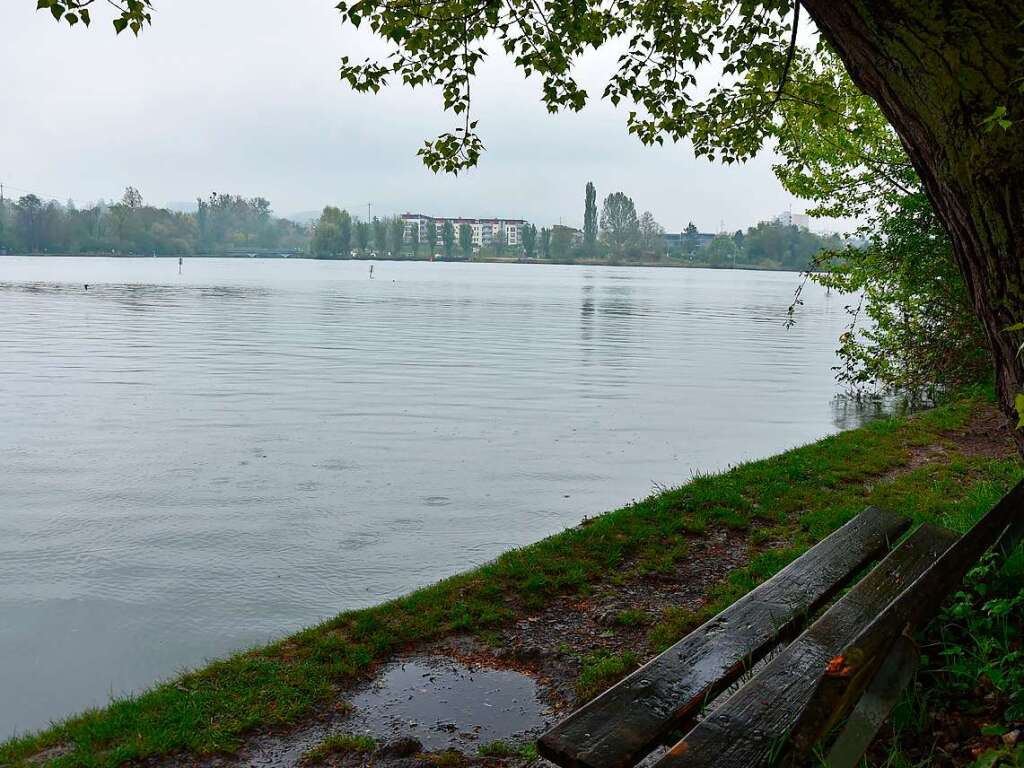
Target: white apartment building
(485,231)
(790,219)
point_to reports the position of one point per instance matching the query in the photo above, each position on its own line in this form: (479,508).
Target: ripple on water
(437,501)
(193,464)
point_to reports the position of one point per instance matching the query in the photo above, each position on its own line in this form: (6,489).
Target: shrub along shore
(945,465)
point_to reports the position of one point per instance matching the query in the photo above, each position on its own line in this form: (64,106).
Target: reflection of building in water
(608,327)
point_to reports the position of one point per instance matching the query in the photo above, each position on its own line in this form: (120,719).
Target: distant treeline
(220,224)
(231,224)
(620,235)
(769,245)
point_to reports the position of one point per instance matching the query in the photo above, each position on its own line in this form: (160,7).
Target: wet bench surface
(786,708)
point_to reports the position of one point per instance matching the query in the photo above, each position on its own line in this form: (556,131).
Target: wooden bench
(850,664)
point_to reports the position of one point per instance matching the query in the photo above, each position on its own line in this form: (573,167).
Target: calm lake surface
(194,464)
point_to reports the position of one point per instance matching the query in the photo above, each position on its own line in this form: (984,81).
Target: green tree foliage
(448,239)
(769,245)
(220,224)
(500,242)
(132,198)
(656,72)
(31,224)
(914,331)
(397,236)
(232,222)
(590,220)
(561,241)
(380,236)
(414,240)
(690,240)
(332,235)
(652,236)
(466,241)
(529,240)
(432,238)
(545,243)
(363,236)
(345,233)
(782,246)
(130,14)
(620,228)
(721,252)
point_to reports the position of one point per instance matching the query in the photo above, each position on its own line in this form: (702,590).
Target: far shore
(663,263)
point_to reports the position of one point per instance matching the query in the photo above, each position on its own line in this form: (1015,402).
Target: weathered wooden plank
(628,720)
(752,728)
(875,705)
(846,674)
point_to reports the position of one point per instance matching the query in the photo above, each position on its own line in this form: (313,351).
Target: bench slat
(877,703)
(855,663)
(628,720)
(752,727)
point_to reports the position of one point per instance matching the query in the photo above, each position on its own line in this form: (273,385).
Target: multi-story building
(485,231)
(790,219)
(676,240)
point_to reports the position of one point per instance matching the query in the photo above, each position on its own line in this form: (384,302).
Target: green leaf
(997,118)
(988,760)
(120,25)
(1014,327)
(57,10)
(1018,403)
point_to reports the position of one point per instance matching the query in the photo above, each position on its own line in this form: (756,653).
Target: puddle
(446,704)
(441,702)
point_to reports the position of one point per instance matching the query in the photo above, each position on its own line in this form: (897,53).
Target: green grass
(502,750)
(602,669)
(339,744)
(632,618)
(801,496)
(449,758)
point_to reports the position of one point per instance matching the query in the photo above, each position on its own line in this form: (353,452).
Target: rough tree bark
(937,69)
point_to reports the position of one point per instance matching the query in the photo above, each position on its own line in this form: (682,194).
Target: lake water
(194,464)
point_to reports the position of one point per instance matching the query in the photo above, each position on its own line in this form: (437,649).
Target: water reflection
(850,412)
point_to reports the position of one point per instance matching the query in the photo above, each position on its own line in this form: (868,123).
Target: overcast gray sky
(243,96)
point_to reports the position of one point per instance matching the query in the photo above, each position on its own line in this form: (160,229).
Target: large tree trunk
(937,69)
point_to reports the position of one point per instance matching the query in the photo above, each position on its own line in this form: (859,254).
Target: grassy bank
(786,503)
